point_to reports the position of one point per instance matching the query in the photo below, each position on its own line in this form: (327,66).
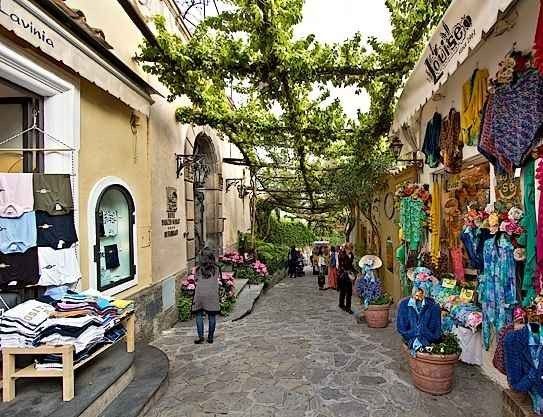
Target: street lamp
(201,171)
(396,147)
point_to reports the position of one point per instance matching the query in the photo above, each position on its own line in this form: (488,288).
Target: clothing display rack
(10,373)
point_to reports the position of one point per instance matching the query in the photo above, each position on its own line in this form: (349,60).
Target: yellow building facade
(107,123)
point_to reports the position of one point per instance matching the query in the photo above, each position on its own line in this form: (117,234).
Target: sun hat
(373,261)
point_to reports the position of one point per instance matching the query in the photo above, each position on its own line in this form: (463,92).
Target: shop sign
(448,283)
(24,24)
(466,295)
(171,199)
(171,223)
(508,191)
(452,41)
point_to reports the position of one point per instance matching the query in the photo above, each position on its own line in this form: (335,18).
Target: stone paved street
(296,355)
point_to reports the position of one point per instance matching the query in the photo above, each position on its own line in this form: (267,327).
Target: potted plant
(378,311)
(432,369)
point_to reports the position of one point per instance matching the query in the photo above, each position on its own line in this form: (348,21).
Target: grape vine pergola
(248,77)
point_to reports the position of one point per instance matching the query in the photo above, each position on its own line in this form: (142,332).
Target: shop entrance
(206,202)
(19,109)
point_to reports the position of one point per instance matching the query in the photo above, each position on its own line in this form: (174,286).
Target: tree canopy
(310,158)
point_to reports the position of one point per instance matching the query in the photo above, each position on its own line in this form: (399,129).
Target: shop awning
(33,25)
(461,29)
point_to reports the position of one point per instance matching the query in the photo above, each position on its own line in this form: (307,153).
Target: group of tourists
(334,263)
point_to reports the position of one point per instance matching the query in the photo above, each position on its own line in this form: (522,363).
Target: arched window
(114,247)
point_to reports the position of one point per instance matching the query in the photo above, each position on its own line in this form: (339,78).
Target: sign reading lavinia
(28,24)
(452,43)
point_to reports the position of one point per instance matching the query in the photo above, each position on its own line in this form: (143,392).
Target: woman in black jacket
(292,262)
(346,267)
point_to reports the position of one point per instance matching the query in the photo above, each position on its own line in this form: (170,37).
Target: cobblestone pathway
(298,355)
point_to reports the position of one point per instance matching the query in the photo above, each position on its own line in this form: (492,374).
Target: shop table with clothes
(63,330)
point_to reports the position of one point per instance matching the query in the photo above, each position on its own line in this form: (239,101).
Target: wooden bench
(10,373)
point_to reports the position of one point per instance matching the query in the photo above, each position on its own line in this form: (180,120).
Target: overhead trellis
(248,77)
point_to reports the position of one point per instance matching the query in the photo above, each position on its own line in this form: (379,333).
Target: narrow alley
(299,355)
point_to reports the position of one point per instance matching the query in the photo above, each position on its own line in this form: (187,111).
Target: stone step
(114,384)
(96,384)
(240,285)
(246,301)
(152,366)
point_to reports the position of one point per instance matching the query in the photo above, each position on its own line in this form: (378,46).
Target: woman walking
(206,295)
(292,262)
(346,269)
(332,269)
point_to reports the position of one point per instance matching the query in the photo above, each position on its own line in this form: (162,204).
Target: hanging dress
(451,144)
(497,289)
(528,238)
(474,92)
(435,214)
(430,147)
(538,284)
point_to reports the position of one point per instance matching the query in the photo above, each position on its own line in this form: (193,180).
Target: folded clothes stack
(87,321)
(21,325)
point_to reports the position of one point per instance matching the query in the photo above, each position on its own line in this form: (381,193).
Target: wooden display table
(10,374)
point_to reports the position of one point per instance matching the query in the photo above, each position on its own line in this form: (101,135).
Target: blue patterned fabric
(474,239)
(497,288)
(518,113)
(419,325)
(521,356)
(369,287)
(535,342)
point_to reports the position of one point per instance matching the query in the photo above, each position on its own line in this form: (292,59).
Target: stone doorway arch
(204,204)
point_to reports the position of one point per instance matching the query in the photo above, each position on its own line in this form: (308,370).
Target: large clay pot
(377,316)
(433,374)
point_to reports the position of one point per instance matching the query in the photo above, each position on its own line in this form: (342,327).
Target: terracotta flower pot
(377,316)
(433,374)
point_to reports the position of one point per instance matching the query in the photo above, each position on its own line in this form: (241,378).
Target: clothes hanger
(34,127)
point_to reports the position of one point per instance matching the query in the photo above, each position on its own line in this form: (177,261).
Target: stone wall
(517,405)
(151,316)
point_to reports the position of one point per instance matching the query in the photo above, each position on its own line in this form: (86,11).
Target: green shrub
(184,306)
(273,255)
(248,273)
(383,300)
(227,306)
(448,345)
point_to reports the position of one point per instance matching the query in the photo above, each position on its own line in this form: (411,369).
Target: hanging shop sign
(460,30)
(171,223)
(452,42)
(508,191)
(31,24)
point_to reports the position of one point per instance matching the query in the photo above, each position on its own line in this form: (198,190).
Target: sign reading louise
(453,41)
(26,23)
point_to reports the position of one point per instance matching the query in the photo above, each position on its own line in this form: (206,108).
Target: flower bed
(227,294)
(243,267)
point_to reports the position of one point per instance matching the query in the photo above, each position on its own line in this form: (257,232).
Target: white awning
(30,23)
(460,30)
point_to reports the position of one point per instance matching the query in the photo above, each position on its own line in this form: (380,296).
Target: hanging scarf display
(430,146)
(412,220)
(435,216)
(528,238)
(369,286)
(538,41)
(538,284)
(474,93)
(451,143)
(497,289)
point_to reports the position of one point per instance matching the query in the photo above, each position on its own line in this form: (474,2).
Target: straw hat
(373,261)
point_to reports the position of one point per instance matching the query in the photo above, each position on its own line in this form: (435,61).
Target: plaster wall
(110,148)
